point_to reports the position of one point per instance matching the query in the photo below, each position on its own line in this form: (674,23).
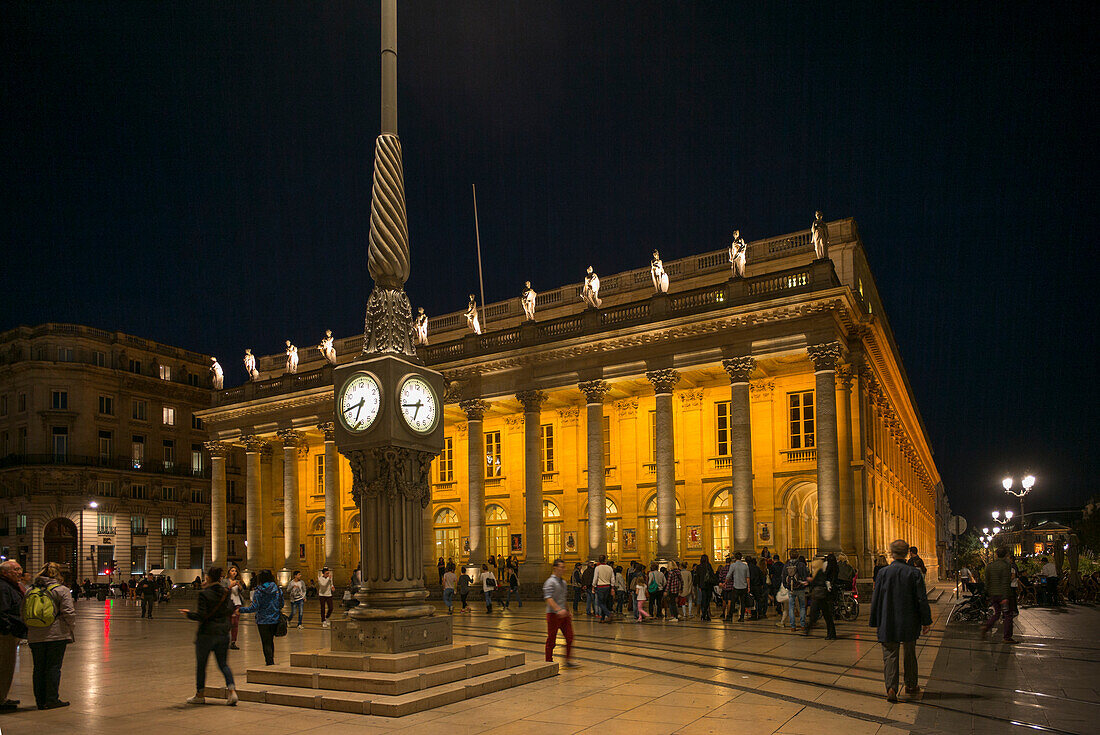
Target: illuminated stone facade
(728,414)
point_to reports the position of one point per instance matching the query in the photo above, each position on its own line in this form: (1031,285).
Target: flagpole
(480,280)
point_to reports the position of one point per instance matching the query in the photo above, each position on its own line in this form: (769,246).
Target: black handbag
(281,626)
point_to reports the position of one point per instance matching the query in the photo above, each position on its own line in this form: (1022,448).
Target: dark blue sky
(199,174)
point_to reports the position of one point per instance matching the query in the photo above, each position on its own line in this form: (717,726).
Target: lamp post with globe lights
(80,557)
(1026,485)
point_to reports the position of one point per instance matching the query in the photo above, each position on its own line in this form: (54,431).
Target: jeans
(704,602)
(326,607)
(234,623)
(656,604)
(1001,606)
(741,595)
(798,602)
(48,657)
(147,607)
(488,601)
(603,601)
(590,602)
(554,623)
(449,598)
(508,593)
(890,664)
(297,605)
(267,640)
(463,597)
(673,602)
(204,646)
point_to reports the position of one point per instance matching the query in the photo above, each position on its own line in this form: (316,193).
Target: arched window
(446,534)
(611,520)
(351,539)
(551,530)
(720,516)
(317,542)
(651,527)
(496,521)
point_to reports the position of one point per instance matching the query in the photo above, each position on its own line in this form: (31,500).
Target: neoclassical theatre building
(730,413)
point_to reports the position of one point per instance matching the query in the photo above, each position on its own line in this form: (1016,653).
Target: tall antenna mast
(480,280)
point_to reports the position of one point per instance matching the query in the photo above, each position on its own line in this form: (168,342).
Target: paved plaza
(127,675)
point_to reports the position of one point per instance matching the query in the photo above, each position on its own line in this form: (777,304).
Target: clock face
(419,406)
(360,402)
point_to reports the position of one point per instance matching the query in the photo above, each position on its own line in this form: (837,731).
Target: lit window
(801,419)
(320,474)
(546,445)
(720,525)
(169,454)
(165,372)
(651,525)
(137,451)
(722,427)
(60,436)
(496,520)
(169,415)
(446,534)
(59,400)
(167,526)
(196,459)
(447,461)
(106,446)
(20,524)
(551,530)
(493,465)
(105,524)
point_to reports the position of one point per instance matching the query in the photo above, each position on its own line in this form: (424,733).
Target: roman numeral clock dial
(360,402)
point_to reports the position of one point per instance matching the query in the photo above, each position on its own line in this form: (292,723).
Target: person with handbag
(655,586)
(267,603)
(488,586)
(236,596)
(823,576)
(215,611)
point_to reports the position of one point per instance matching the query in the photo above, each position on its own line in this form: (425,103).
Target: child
(640,594)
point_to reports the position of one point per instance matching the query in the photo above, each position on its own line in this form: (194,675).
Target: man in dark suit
(899,609)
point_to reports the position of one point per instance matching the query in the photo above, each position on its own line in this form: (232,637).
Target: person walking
(267,603)
(12,627)
(900,612)
(50,617)
(324,595)
(687,590)
(147,591)
(511,587)
(450,583)
(655,585)
(558,617)
(674,583)
(575,583)
(603,581)
(822,587)
(704,579)
(215,608)
(738,579)
(464,590)
(236,596)
(796,580)
(998,581)
(488,585)
(296,594)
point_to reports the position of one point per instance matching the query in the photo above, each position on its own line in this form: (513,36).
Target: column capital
(252,443)
(594,390)
(739,368)
(328,428)
(824,356)
(844,376)
(474,408)
(217,449)
(532,400)
(291,438)
(663,380)
(267,451)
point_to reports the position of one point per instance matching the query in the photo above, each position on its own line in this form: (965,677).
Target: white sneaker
(197,699)
(675,620)
(231,698)
(299,626)
(325,624)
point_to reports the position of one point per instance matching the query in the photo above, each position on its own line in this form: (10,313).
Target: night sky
(199,174)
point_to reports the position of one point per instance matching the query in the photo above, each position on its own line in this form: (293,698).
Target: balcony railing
(112,463)
(800,455)
(169,532)
(721,463)
(139,531)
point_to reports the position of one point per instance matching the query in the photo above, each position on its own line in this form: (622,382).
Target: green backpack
(39,608)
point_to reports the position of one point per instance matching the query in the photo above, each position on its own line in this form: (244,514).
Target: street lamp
(1026,483)
(80,554)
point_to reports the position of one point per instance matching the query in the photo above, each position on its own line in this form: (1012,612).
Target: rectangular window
(60,436)
(165,372)
(99,358)
(446,543)
(21,440)
(493,464)
(653,436)
(105,488)
(607,459)
(59,400)
(4,442)
(106,446)
(196,460)
(198,527)
(168,493)
(800,414)
(168,555)
(137,526)
(722,428)
(196,423)
(197,496)
(21,402)
(499,541)
(20,524)
(193,379)
(137,560)
(169,454)
(107,405)
(105,560)
(3,405)
(65,354)
(551,539)
(135,366)
(546,447)
(319,474)
(139,410)
(198,560)
(105,524)
(168,415)
(139,492)
(447,460)
(167,526)
(137,451)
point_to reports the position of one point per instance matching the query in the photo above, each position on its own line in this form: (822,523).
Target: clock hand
(359,407)
(418,405)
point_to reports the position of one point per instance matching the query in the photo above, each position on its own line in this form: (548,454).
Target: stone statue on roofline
(738,254)
(420,327)
(250,366)
(819,235)
(590,293)
(657,271)
(327,348)
(217,375)
(528,301)
(291,358)
(472,320)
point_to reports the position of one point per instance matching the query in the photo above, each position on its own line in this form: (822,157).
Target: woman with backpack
(704,583)
(50,616)
(267,603)
(214,613)
(655,588)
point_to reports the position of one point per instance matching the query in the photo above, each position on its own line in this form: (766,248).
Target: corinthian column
(475,414)
(739,369)
(218,542)
(332,497)
(825,357)
(667,545)
(253,445)
(594,391)
(532,401)
(291,441)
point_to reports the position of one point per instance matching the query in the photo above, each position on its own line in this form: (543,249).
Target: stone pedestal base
(391,636)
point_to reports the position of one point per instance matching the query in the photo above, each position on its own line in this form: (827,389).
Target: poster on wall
(517,543)
(571,542)
(630,539)
(763,534)
(301,552)
(466,546)
(695,537)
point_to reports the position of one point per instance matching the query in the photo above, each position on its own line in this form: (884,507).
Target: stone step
(392,663)
(391,705)
(376,682)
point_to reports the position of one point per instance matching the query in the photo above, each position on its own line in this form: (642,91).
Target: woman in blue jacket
(267,603)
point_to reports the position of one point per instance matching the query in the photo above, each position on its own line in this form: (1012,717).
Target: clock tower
(389,418)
